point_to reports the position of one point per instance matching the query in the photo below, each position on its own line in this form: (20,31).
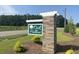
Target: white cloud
(7,10)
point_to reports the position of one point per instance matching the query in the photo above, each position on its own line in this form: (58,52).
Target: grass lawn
(62,37)
(8,28)
(77,31)
(6,45)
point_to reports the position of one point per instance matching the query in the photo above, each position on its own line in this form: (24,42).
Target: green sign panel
(35,29)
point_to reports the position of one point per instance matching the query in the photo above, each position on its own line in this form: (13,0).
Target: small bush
(73,30)
(36,39)
(70,51)
(70,27)
(18,48)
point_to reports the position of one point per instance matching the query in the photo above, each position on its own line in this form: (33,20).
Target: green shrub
(18,48)
(70,27)
(36,39)
(70,51)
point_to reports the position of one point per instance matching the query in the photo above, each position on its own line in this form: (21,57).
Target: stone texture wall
(49,33)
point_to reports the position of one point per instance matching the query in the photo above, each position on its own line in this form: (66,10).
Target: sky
(71,10)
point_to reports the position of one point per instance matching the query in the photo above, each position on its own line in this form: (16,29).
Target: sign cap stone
(51,13)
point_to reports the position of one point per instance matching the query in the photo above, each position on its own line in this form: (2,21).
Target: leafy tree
(70,27)
(60,21)
(77,25)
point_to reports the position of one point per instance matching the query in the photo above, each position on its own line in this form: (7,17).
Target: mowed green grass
(77,31)
(8,28)
(7,45)
(61,37)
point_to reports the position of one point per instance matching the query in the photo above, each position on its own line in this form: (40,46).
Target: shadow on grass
(64,48)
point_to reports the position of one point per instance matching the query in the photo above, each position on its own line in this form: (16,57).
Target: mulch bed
(33,48)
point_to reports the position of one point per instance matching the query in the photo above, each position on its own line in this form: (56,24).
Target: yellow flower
(70,51)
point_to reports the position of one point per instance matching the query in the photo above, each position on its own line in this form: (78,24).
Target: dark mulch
(33,48)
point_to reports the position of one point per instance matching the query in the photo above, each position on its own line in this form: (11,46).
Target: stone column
(49,32)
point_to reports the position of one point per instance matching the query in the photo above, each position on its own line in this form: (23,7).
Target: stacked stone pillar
(49,33)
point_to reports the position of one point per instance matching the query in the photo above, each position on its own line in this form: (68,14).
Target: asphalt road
(10,33)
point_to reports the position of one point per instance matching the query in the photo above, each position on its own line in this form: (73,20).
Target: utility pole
(27,16)
(65,17)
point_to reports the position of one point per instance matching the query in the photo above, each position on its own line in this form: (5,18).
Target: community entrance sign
(47,28)
(35,29)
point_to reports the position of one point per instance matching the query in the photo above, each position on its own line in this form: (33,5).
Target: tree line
(16,20)
(20,20)
(77,25)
